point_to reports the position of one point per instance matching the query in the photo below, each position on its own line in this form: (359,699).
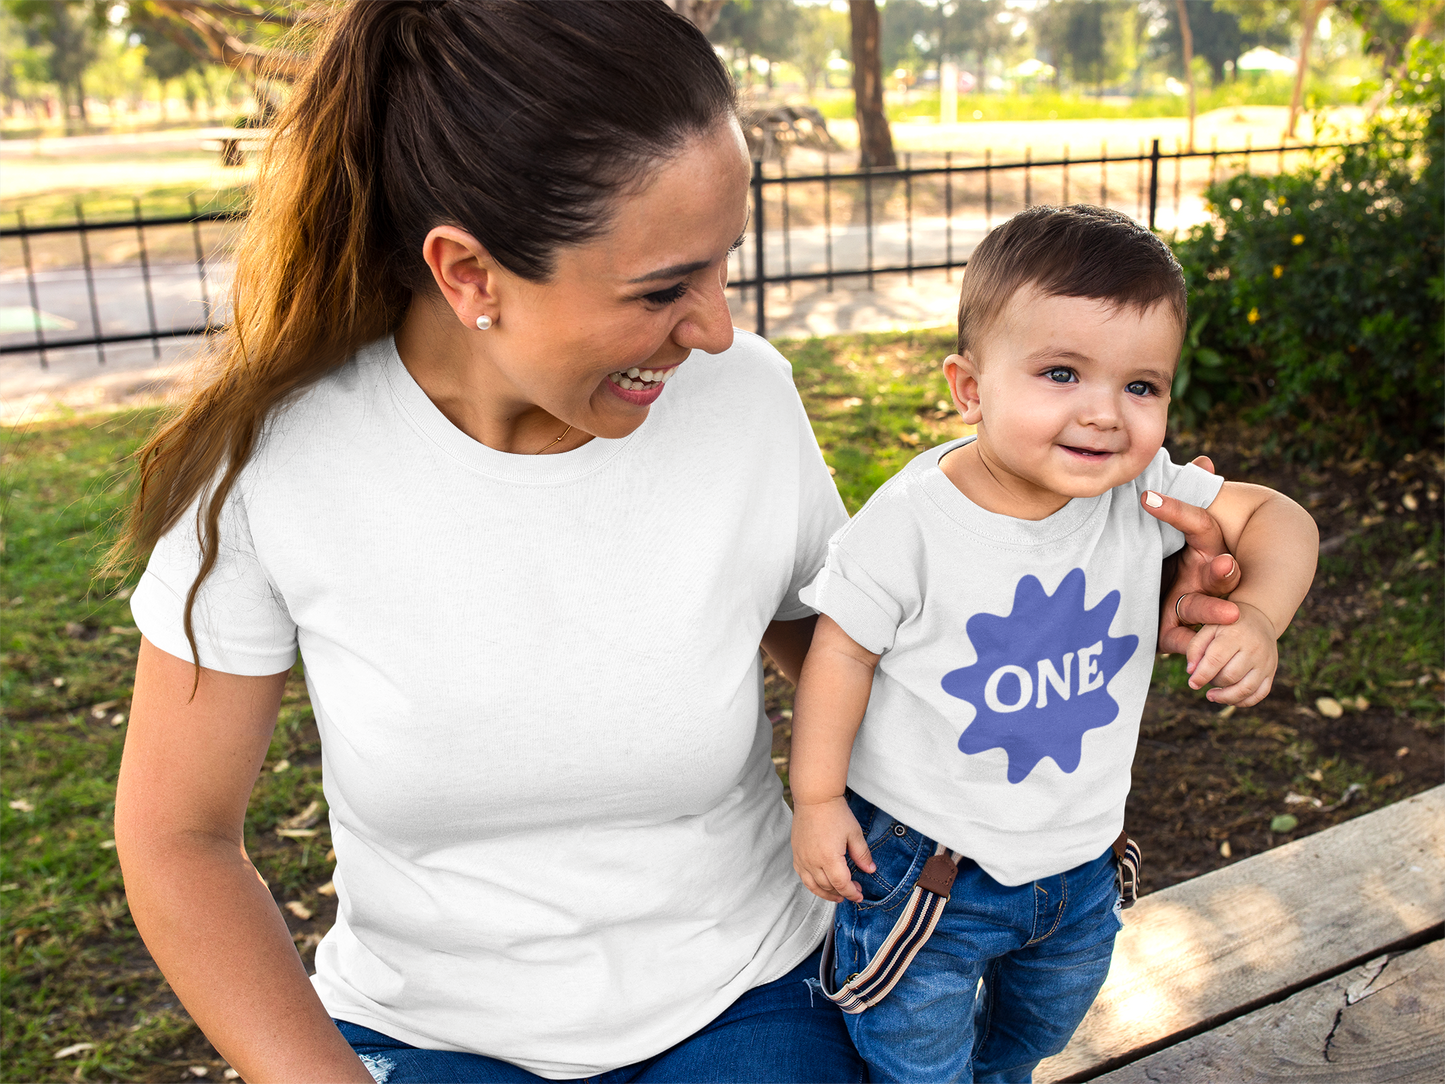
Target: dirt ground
(1202,782)
(1208,783)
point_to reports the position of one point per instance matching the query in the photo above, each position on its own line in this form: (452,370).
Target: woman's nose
(708,325)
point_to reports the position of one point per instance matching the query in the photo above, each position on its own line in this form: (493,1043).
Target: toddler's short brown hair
(1077,251)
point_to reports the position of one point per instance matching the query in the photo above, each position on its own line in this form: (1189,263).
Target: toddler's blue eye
(1140,387)
(1061,375)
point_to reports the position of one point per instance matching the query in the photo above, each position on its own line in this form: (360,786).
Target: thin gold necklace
(556,441)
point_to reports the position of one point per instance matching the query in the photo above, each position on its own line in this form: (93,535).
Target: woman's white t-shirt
(559,837)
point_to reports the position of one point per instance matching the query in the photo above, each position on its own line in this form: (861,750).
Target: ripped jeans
(1003,982)
(780,1031)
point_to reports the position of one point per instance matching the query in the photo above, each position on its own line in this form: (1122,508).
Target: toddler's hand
(822,835)
(1238,659)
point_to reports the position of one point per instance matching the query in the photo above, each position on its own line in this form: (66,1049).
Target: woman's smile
(640,386)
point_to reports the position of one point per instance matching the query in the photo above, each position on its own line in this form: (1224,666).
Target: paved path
(132,374)
(84,378)
(136,372)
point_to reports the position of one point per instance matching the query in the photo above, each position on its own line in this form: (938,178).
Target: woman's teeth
(636,379)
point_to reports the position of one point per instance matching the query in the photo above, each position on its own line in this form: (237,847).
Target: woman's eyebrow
(675,271)
(688,268)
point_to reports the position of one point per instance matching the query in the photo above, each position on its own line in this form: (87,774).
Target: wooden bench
(1320,960)
(233,143)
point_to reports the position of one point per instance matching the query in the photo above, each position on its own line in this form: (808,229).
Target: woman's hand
(1206,573)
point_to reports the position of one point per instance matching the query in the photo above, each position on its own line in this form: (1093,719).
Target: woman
(482,446)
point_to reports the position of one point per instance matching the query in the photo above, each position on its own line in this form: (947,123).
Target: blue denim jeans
(782,1031)
(1005,978)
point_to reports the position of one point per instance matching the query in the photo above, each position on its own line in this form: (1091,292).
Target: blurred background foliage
(79,64)
(1316,295)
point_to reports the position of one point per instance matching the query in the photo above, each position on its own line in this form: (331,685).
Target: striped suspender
(909,934)
(1128,859)
(919,918)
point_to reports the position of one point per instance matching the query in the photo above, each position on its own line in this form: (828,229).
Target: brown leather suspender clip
(938,874)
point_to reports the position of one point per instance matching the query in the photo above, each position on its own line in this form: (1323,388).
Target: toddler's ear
(961,372)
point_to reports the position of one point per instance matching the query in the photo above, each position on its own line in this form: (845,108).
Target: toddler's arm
(832,696)
(1277,544)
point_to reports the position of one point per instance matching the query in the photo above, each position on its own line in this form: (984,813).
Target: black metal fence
(795,227)
(980,182)
(100,286)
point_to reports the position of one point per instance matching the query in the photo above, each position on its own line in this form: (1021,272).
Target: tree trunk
(1310,12)
(702,13)
(875,140)
(1188,38)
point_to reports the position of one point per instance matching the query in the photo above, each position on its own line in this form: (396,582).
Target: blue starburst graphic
(1042,675)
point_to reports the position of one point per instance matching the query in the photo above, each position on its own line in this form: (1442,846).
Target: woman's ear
(962,376)
(465,273)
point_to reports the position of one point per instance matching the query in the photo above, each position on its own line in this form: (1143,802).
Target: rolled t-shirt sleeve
(241,623)
(851,597)
(1187,483)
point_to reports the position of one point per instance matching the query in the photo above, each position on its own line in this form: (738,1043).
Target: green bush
(1316,296)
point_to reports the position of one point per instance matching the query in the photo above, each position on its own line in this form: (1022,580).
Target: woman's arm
(1204,572)
(786,643)
(205,914)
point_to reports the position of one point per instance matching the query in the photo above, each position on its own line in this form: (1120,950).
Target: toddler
(968,711)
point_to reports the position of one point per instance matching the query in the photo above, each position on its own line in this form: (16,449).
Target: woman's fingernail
(1232,565)
(1152,499)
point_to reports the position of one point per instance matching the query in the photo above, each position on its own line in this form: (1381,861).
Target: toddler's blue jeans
(782,1031)
(1005,978)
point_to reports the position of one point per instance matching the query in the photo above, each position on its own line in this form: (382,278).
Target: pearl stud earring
(483,322)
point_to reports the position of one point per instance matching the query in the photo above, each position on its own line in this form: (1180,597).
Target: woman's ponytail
(309,288)
(515,120)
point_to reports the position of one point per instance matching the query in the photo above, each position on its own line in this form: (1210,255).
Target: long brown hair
(517,121)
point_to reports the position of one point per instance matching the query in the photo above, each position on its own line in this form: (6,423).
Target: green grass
(1048,105)
(1397,637)
(72,968)
(875,401)
(109,204)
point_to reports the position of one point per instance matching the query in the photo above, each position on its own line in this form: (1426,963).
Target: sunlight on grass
(74,969)
(875,402)
(107,204)
(1395,654)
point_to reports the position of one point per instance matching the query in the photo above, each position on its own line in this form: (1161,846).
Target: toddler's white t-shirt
(560,840)
(1016,656)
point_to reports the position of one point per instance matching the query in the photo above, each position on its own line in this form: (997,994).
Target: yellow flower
(1297,239)
(1253,316)
(1278,270)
